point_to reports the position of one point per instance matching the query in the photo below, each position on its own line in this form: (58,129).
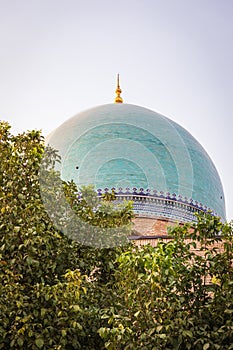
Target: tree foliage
(172,296)
(56,293)
(50,291)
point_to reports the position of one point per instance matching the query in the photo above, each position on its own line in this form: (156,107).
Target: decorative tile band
(153,203)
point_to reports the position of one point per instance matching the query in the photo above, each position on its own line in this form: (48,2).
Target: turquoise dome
(140,152)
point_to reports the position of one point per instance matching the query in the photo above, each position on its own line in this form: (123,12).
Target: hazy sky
(59,57)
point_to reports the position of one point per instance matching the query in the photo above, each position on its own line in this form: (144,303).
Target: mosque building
(144,157)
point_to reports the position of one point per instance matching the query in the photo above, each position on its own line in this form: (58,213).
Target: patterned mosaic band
(152,203)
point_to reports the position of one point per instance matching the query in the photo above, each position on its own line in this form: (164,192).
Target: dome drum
(159,205)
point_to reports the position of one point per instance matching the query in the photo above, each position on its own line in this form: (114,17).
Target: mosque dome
(144,156)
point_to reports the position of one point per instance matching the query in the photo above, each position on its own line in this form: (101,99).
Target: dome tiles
(144,156)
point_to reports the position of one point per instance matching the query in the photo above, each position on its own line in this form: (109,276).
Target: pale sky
(59,57)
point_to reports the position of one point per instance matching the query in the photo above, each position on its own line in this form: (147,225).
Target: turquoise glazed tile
(128,146)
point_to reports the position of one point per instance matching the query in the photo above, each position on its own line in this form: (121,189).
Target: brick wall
(152,226)
(151,230)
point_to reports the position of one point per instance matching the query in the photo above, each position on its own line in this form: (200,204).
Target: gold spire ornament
(118,98)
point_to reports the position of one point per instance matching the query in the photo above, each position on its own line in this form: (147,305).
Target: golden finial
(118,98)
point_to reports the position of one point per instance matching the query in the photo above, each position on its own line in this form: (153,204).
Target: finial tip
(118,98)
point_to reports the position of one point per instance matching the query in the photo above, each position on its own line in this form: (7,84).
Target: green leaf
(20,341)
(43,311)
(12,343)
(159,328)
(39,343)
(103,332)
(63,333)
(188,333)
(206,346)
(76,307)
(229,311)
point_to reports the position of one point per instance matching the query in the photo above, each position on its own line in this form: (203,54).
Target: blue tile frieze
(153,203)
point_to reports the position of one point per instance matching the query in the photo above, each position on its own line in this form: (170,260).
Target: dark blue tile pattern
(159,204)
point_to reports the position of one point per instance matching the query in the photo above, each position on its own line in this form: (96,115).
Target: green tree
(51,286)
(171,297)
(56,293)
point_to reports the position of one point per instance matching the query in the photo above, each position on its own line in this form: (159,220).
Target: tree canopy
(58,293)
